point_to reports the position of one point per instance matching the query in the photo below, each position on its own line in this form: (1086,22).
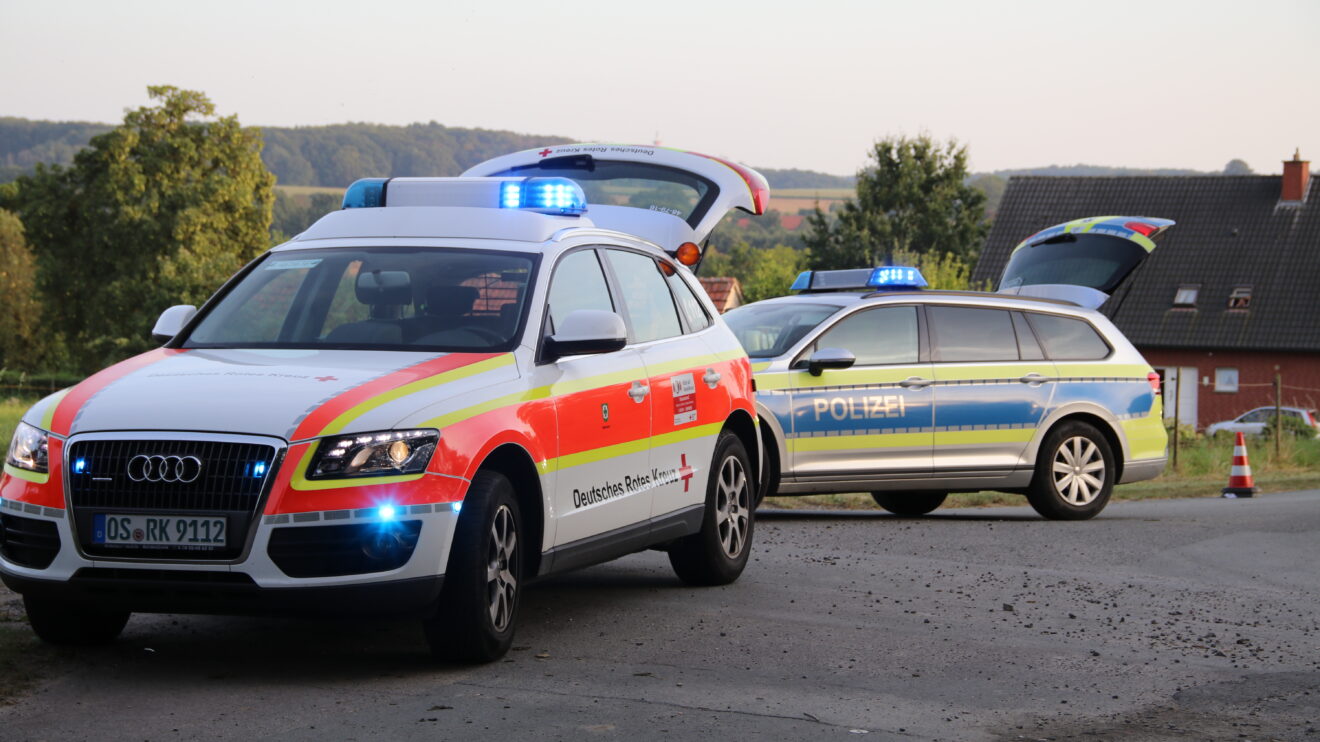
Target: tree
(158,211)
(763,273)
(913,196)
(20,312)
(1238,167)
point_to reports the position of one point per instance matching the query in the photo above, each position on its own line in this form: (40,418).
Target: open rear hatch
(666,195)
(1082,261)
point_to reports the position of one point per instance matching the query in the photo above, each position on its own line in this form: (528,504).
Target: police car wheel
(64,622)
(1074,473)
(909,503)
(717,554)
(478,606)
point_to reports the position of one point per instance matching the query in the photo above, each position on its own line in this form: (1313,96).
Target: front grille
(229,482)
(226,481)
(29,542)
(354,549)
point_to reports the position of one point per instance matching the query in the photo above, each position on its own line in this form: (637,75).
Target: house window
(1186,296)
(1226,380)
(1240,298)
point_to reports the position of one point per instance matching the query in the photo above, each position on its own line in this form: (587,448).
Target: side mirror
(171,322)
(827,358)
(587,331)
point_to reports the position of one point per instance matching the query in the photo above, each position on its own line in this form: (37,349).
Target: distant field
(307,191)
(824,194)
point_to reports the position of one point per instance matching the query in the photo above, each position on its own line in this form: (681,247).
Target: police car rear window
(1068,339)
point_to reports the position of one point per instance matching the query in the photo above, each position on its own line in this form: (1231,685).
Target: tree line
(164,207)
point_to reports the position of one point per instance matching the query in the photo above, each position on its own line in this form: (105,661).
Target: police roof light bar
(859,279)
(556,196)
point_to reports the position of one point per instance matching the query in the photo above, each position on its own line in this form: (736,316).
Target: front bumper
(228,593)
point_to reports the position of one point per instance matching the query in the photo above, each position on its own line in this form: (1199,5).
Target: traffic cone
(1240,481)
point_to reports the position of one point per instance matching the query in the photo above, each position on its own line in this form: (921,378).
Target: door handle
(638,391)
(712,378)
(1034,379)
(915,382)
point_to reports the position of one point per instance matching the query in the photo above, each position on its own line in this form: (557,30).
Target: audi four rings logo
(170,469)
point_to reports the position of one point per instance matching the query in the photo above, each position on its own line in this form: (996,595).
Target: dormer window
(1240,298)
(1186,296)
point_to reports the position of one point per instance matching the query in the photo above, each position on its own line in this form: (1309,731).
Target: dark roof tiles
(1232,231)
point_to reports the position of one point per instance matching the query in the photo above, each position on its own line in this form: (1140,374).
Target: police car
(447,388)
(865,382)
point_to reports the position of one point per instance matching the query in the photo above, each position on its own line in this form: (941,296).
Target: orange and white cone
(1240,481)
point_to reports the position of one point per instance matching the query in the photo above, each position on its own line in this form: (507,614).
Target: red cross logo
(685,473)
(545,152)
(326,378)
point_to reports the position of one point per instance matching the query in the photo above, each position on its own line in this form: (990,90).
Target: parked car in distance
(1254,422)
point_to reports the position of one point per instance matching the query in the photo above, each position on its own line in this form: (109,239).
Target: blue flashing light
(366,193)
(79,466)
(802,282)
(259,469)
(386,512)
(896,277)
(511,195)
(545,195)
(457,506)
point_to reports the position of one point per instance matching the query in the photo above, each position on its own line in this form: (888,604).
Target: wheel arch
(1106,427)
(515,463)
(741,424)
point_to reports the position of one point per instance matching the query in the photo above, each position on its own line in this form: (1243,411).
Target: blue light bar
(366,193)
(544,195)
(896,277)
(802,282)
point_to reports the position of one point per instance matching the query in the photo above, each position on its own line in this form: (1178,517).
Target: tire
(909,503)
(717,554)
(1075,473)
(478,606)
(66,622)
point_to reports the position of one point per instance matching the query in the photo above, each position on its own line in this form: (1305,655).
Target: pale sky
(808,84)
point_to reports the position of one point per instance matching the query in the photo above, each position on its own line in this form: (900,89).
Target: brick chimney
(1296,175)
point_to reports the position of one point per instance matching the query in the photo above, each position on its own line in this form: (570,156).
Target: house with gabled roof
(1229,297)
(724,291)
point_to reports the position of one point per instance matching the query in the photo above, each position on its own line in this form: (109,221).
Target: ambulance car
(866,382)
(446,389)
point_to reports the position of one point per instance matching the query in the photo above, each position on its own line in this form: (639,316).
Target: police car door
(993,386)
(870,421)
(603,412)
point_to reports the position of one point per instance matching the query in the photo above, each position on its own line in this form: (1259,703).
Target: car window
(1028,348)
(365,298)
(875,336)
(768,329)
(1256,416)
(971,334)
(578,283)
(1068,339)
(688,304)
(646,295)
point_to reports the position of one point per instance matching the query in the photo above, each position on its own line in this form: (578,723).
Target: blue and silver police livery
(865,382)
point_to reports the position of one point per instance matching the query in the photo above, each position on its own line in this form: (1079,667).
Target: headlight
(28,449)
(382,454)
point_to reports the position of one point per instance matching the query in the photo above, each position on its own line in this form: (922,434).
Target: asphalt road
(1172,619)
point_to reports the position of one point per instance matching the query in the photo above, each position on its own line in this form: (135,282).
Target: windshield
(635,184)
(767,330)
(1098,261)
(373,299)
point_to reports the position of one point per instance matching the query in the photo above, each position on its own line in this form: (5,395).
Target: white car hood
(262,392)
